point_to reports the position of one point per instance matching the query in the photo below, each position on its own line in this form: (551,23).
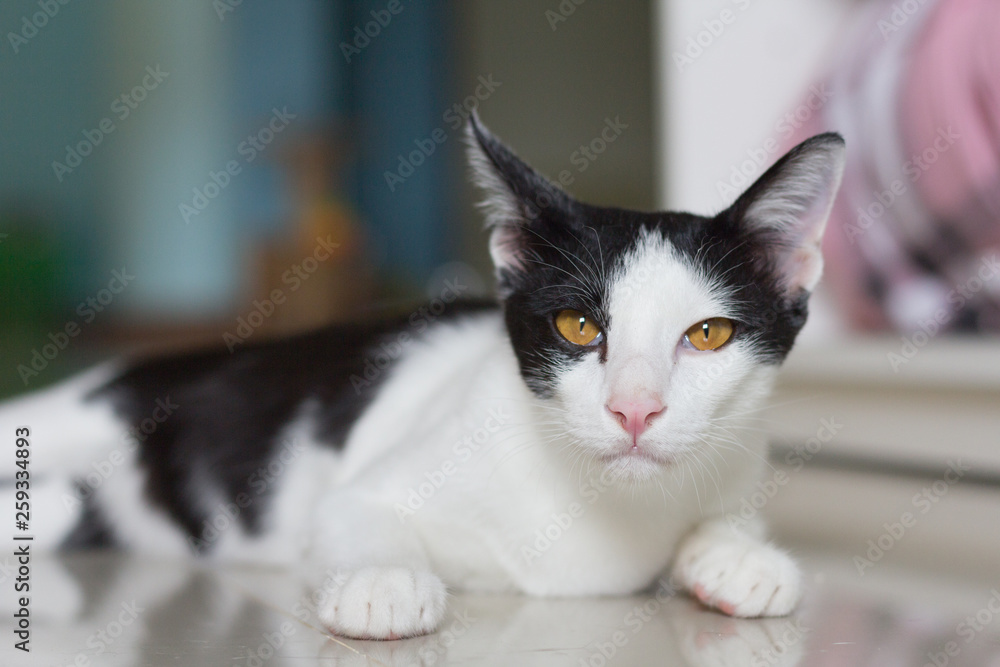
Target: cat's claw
(739,577)
(385,603)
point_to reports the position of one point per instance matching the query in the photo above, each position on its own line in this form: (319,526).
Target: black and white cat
(584,437)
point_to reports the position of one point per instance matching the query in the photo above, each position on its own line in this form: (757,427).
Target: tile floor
(112,610)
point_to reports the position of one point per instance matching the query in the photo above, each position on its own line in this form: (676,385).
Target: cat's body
(468,445)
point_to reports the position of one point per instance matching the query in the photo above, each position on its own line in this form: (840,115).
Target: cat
(583,435)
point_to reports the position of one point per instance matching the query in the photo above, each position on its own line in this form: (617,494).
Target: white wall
(761,56)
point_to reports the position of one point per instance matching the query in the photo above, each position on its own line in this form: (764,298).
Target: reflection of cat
(628,348)
(134,611)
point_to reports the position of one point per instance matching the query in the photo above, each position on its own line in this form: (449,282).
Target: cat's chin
(635,464)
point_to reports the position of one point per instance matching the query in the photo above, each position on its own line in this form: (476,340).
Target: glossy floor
(109,610)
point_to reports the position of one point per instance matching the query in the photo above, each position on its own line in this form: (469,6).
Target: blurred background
(179,173)
(223,156)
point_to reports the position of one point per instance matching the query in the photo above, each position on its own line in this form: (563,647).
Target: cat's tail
(66,436)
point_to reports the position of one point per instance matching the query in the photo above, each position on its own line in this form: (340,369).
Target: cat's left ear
(522,207)
(789,206)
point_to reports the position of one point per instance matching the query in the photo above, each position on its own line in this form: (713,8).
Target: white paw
(740,577)
(385,603)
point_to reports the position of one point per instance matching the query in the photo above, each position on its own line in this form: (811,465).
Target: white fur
(736,572)
(141,527)
(653,301)
(492,496)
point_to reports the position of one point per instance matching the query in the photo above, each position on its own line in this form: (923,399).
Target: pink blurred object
(953,78)
(915,234)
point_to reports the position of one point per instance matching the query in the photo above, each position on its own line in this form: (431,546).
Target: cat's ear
(520,204)
(789,206)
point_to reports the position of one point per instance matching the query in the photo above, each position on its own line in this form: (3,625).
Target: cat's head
(646,332)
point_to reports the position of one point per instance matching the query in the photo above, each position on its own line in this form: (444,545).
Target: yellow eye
(710,334)
(576,327)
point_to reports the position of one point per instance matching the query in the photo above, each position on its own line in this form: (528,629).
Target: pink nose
(635,415)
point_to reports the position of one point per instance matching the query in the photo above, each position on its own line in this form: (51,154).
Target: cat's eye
(710,334)
(577,327)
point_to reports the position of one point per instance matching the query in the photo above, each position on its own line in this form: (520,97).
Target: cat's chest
(594,543)
(553,536)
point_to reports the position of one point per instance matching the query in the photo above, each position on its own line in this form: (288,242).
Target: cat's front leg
(378,582)
(737,572)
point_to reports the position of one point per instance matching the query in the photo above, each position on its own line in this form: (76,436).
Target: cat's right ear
(519,202)
(789,205)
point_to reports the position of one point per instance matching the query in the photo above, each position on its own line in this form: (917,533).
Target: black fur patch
(227,411)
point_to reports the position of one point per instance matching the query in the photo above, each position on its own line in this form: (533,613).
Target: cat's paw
(740,577)
(385,603)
